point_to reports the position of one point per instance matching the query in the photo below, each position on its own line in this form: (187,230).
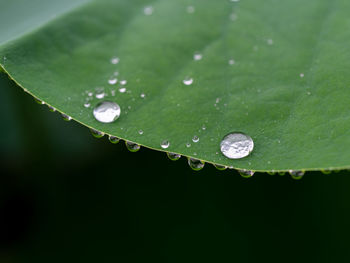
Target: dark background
(66,196)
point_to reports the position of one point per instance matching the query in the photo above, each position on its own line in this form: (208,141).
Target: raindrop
(100,95)
(115,60)
(188,145)
(66,117)
(220,167)
(165,144)
(195,139)
(148,10)
(39,101)
(204,127)
(112,81)
(173,156)
(190,9)
(143,95)
(52,109)
(188,81)
(140,132)
(195,164)
(246,173)
(197,56)
(96,133)
(106,111)
(122,90)
(113,139)
(236,145)
(87,104)
(297,175)
(123,82)
(132,147)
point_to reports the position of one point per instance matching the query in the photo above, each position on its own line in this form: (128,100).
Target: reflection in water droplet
(220,167)
(197,56)
(148,10)
(195,139)
(132,147)
(297,175)
(165,144)
(115,60)
(66,117)
(140,132)
(173,156)
(188,81)
(96,133)
(106,111)
(195,164)
(113,139)
(246,173)
(236,145)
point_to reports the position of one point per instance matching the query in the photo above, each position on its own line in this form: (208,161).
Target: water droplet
(302,75)
(270,42)
(236,145)
(195,139)
(173,156)
(308,93)
(220,167)
(106,111)
(190,9)
(188,81)
(271,173)
(233,17)
(116,73)
(235,1)
(197,56)
(52,109)
(148,10)
(246,173)
(326,171)
(231,62)
(188,145)
(39,101)
(122,90)
(140,132)
(165,144)
(195,164)
(66,117)
(100,95)
(132,147)
(115,60)
(123,82)
(204,127)
(113,139)
(90,94)
(143,95)
(96,133)
(112,81)
(281,173)
(87,104)
(297,175)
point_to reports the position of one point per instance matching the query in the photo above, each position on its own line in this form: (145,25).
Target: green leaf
(288,87)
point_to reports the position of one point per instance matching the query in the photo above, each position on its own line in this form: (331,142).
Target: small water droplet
(123,82)
(236,145)
(52,109)
(113,139)
(165,144)
(106,111)
(190,9)
(122,90)
(326,171)
(143,95)
(297,175)
(112,81)
(195,164)
(96,133)
(188,145)
(231,62)
(115,60)
(197,56)
(270,42)
(220,167)
(87,104)
(204,127)
(188,81)
(308,93)
(148,10)
(116,73)
(66,117)
(140,132)
(302,75)
(173,156)
(281,173)
(246,173)
(233,17)
(195,138)
(90,94)
(132,147)
(100,95)
(39,101)
(234,1)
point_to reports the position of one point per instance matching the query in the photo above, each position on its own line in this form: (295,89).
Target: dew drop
(297,175)
(236,145)
(123,82)
(115,60)
(106,111)
(270,42)
(190,9)
(173,156)
(233,17)
(188,145)
(302,75)
(143,95)
(66,117)
(220,167)
(113,139)
(165,144)
(188,81)
(197,56)
(87,104)
(195,139)
(246,173)
(148,10)
(112,81)
(100,95)
(132,147)
(204,127)
(52,109)
(90,94)
(122,90)
(39,101)
(96,133)
(195,164)
(140,132)
(231,62)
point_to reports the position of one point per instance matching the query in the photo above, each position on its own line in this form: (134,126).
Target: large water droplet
(188,81)
(173,156)
(132,147)
(220,167)
(107,111)
(297,175)
(246,173)
(96,133)
(113,139)
(236,145)
(195,139)
(165,144)
(195,164)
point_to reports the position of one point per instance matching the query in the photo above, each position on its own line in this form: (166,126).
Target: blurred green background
(66,196)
